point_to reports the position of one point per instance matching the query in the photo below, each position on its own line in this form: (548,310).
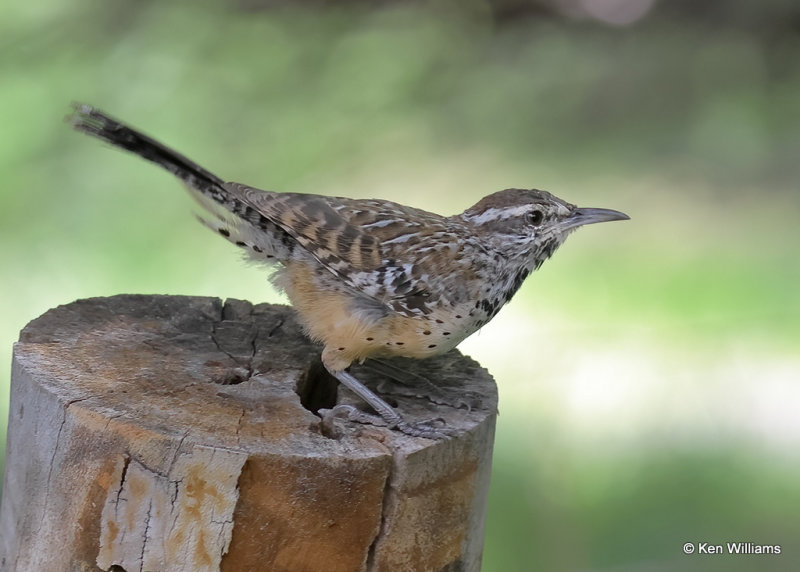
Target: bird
(372,278)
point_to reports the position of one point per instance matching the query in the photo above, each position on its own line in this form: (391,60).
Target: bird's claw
(429,429)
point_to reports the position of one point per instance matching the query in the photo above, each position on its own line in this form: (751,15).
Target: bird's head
(528,223)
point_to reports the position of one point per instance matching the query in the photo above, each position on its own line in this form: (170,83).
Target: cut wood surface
(179,434)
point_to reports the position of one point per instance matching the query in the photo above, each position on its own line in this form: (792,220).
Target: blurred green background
(649,374)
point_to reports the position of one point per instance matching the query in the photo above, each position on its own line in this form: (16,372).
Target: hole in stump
(317,388)
(231,377)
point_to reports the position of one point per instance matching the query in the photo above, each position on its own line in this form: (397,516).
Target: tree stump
(179,434)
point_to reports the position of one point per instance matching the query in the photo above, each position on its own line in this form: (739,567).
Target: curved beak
(582,216)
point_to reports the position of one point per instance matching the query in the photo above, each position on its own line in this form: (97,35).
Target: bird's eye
(535,217)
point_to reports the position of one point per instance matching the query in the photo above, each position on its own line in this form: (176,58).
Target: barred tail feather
(96,123)
(231,216)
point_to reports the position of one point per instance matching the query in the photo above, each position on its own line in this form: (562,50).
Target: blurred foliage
(688,119)
(581,514)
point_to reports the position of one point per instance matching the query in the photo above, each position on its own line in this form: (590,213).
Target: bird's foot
(428,429)
(402,382)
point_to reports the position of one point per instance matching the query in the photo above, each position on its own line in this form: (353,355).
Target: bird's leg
(420,386)
(388,416)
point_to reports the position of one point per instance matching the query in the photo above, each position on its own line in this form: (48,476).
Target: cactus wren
(373,278)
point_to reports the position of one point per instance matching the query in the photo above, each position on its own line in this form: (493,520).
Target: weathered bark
(178,433)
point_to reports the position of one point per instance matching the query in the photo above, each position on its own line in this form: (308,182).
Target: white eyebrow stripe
(495,213)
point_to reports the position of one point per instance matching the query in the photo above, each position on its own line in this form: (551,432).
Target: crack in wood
(229,315)
(147,518)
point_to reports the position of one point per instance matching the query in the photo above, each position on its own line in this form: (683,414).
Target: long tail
(96,123)
(233,218)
